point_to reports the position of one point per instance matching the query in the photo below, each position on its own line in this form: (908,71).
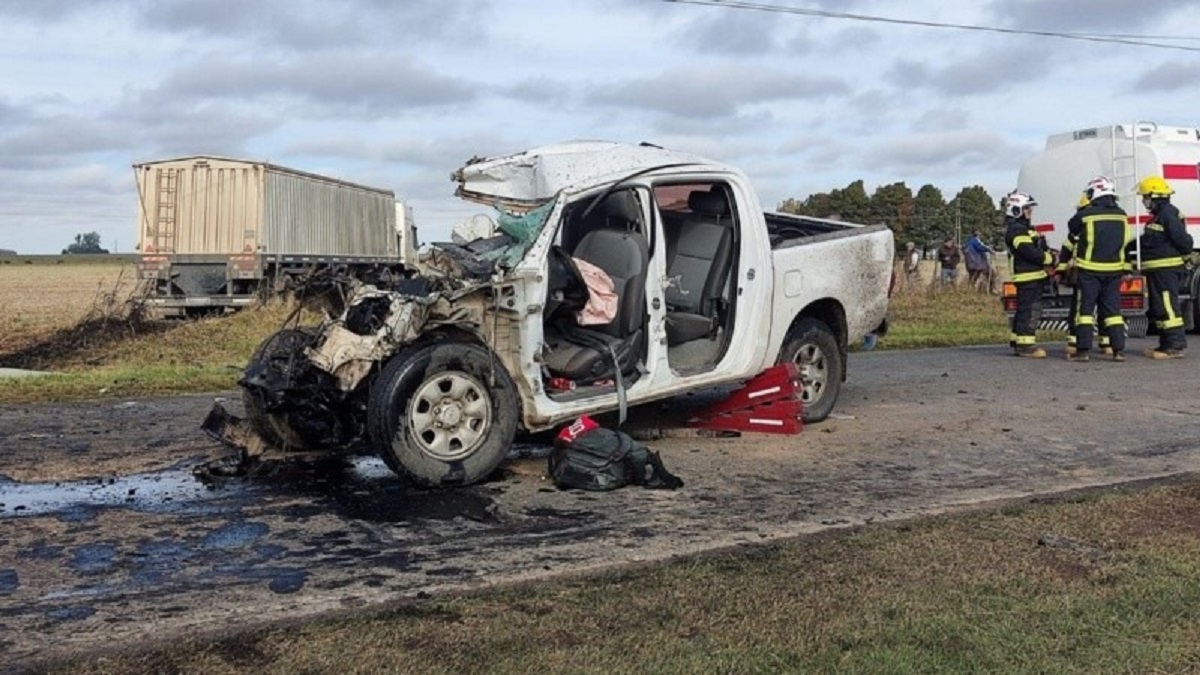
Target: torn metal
(308,388)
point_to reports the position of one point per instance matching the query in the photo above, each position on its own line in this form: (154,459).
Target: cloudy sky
(398,94)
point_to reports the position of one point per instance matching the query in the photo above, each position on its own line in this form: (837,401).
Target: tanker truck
(216,233)
(1126,153)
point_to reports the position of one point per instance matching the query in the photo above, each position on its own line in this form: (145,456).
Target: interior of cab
(609,234)
(701,248)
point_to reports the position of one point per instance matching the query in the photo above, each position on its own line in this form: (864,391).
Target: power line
(1131,40)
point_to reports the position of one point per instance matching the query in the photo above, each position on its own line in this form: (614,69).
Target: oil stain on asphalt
(215,532)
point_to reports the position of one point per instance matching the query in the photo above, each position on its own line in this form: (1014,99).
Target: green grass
(972,592)
(935,317)
(120,382)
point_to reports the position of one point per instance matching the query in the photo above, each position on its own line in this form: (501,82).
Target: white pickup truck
(437,374)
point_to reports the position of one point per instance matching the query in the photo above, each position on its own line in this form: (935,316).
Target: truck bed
(786,229)
(819,260)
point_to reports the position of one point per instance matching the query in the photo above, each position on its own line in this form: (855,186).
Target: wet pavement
(108,538)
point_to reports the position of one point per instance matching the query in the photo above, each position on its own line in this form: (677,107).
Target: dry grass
(92,331)
(145,358)
(40,299)
(1102,583)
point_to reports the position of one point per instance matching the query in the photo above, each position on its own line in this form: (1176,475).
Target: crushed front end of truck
(311,388)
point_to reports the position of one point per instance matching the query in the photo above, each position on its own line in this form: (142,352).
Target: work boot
(1117,355)
(1070,349)
(1108,351)
(1079,356)
(1031,352)
(1159,354)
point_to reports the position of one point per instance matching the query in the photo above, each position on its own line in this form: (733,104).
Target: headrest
(708,203)
(621,208)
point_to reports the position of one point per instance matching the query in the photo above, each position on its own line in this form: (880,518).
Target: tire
(1137,326)
(274,428)
(434,418)
(202,312)
(812,346)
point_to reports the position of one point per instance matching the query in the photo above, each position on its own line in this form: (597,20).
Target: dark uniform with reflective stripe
(1165,241)
(1027,269)
(1102,234)
(1064,265)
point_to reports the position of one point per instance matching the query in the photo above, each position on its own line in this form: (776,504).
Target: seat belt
(622,403)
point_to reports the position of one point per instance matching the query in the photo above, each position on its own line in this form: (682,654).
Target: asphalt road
(107,539)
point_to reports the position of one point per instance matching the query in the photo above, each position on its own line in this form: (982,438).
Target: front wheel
(443,414)
(814,349)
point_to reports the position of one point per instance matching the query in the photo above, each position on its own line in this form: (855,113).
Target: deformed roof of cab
(540,173)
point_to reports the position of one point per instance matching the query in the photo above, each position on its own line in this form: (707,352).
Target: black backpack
(602,459)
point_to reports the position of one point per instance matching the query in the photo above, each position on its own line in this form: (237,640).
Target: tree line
(925,218)
(85,242)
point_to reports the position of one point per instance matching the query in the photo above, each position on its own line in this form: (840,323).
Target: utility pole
(957,225)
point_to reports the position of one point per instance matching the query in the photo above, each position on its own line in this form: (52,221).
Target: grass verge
(1097,583)
(112,358)
(102,355)
(954,317)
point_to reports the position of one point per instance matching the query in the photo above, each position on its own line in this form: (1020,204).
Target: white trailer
(216,232)
(1126,153)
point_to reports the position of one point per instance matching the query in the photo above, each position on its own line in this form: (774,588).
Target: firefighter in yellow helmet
(1165,242)
(1066,276)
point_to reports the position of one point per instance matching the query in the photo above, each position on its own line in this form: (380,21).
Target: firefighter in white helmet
(1165,242)
(1102,235)
(1027,269)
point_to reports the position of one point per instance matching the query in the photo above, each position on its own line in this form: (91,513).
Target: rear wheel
(812,346)
(1137,326)
(443,414)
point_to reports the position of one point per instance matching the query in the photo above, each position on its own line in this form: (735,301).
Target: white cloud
(718,91)
(398,94)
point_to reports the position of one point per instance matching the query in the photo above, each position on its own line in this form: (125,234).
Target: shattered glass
(524,229)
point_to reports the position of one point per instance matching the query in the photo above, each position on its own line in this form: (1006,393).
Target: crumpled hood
(537,175)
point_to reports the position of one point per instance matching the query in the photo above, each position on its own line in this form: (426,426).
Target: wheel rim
(814,372)
(450,415)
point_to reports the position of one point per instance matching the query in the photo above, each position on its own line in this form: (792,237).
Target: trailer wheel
(444,414)
(202,312)
(814,349)
(1137,326)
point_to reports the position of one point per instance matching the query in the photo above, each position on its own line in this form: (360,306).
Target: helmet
(1154,186)
(1083,201)
(1016,202)
(1100,186)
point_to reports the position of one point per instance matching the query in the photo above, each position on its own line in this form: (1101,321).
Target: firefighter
(1027,269)
(1164,243)
(1066,273)
(1102,235)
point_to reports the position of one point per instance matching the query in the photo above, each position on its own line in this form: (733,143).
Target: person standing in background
(948,258)
(912,263)
(979,265)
